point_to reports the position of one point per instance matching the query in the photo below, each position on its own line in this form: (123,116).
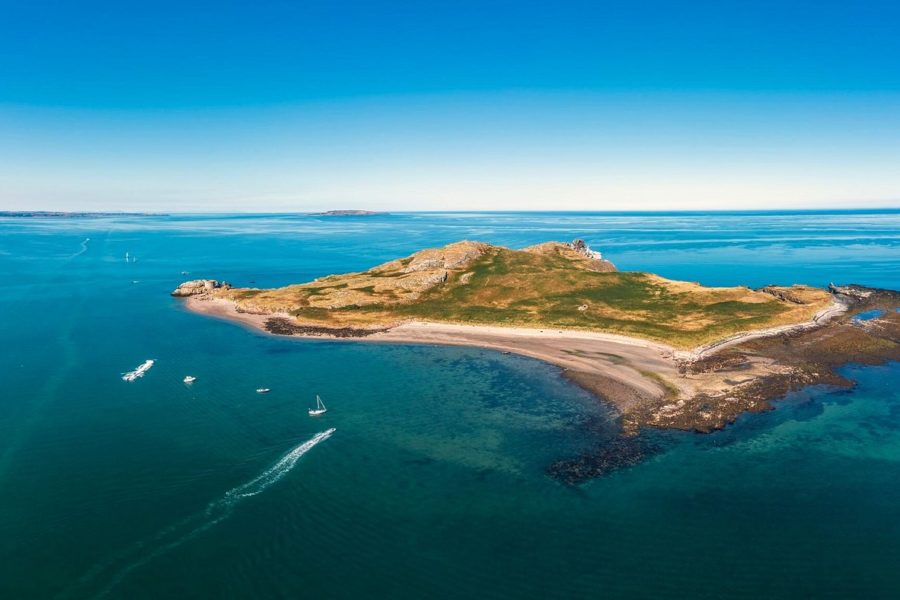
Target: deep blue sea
(433,484)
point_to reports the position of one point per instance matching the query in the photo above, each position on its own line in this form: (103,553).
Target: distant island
(668,354)
(347,213)
(71,215)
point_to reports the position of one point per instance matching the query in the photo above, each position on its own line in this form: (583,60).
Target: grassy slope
(517,288)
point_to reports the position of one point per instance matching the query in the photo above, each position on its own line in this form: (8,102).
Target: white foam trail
(194,525)
(278,470)
(139,372)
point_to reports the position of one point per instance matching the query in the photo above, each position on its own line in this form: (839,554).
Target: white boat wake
(84,248)
(142,552)
(139,372)
(276,471)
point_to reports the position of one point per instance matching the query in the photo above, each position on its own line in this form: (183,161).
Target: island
(664,353)
(51,214)
(347,213)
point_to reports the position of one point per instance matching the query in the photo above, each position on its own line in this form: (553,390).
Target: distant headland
(667,354)
(347,213)
(36,214)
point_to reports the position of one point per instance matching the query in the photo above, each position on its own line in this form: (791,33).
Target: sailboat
(319,409)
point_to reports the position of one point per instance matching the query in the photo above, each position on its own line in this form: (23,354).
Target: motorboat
(139,372)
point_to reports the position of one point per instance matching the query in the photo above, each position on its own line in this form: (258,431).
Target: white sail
(319,409)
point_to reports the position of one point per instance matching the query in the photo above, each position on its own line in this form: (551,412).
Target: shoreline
(432,331)
(589,356)
(834,310)
(650,384)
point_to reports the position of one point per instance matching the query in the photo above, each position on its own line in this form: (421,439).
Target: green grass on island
(551,285)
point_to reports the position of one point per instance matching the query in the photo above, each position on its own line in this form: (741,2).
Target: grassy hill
(551,285)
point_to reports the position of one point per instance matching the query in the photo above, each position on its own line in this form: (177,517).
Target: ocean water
(432,484)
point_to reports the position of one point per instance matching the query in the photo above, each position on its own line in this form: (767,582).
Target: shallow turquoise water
(868,315)
(433,484)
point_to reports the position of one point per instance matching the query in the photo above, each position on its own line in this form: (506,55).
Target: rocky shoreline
(795,358)
(651,385)
(284,326)
(808,356)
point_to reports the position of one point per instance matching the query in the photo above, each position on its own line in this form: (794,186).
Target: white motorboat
(319,409)
(263,390)
(190,379)
(139,372)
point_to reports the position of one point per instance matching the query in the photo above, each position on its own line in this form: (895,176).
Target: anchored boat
(263,390)
(190,379)
(319,409)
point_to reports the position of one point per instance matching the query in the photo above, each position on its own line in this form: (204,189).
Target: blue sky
(430,106)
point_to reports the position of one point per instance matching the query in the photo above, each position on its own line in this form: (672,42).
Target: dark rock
(620,453)
(282,326)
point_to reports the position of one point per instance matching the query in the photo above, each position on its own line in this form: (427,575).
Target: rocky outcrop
(578,252)
(453,256)
(857,292)
(583,249)
(282,326)
(781,294)
(421,282)
(198,287)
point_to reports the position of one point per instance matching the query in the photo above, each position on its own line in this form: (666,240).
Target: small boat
(263,390)
(139,372)
(319,409)
(190,379)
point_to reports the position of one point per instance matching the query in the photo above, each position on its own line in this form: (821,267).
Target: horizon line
(51,213)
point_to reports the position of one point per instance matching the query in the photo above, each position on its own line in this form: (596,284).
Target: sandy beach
(613,366)
(639,377)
